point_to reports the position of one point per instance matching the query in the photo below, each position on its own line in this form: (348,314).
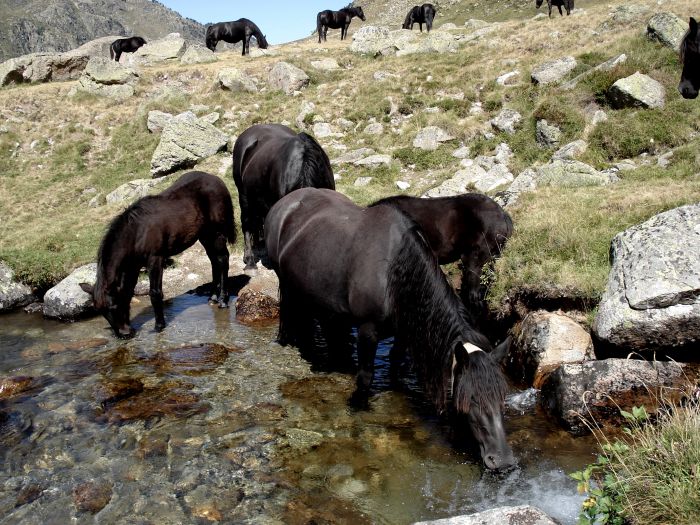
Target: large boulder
(668,29)
(586,394)
(132,190)
(547,135)
(430,138)
(553,71)
(198,55)
(408,43)
(105,77)
(12,293)
(472,176)
(372,40)
(652,298)
(543,342)
(520,515)
(507,120)
(571,174)
(235,80)
(95,48)
(605,66)
(258,300)
(42,67)
(287,78)
(168,49)
(184,142)
(66,300)
(637,90)
(353,156)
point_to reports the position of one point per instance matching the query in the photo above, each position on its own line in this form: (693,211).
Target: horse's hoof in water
(223,304)
(359,400)
(213,300)
(160,327)
(122,334)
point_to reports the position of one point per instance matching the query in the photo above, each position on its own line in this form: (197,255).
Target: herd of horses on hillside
(339,265)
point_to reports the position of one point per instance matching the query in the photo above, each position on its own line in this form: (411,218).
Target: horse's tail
(230,219)
(318,23)
(240,152)
(316,171)
(111,51)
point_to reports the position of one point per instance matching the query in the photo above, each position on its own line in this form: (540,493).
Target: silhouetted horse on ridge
(337,19)
(125,45)
(233,32)
(420,14)
(690,58)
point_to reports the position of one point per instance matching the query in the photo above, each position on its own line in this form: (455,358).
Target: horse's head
(113,309)
(262,42)
(690,57)
(478,392)
(360,13)
(538,3)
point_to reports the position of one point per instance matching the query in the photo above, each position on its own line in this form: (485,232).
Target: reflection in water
(211,420)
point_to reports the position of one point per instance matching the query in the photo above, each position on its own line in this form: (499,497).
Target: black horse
(232,32)
(690,57)
(472,228)
(341,264)
(420,14)
(567,4)
(337,19)
(125,45)
(197,207)
(269,161)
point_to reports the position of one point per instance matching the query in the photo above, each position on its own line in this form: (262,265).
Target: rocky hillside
(28,26)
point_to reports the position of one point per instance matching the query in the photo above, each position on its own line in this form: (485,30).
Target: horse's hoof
(359,400)
(160,327)
(213,300)
(223,304)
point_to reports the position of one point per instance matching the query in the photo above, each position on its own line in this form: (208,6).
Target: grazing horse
(270,161)
(567,4)
(690,57)
(420,14)
(125,45)
(341,264)
(337,19)
(472,228)
(232,32)
(197,207)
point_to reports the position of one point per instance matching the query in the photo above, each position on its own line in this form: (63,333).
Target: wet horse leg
(366,351)
(250,230)
(338,338)
(155,276)
(296,325)
(217,252)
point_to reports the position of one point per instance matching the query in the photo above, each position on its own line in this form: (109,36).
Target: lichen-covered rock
(543,342)
(433,42)
(325,64)
(198,55)
(521,515)
(553,71)
(287,78)
(596,390)
(430,138)
(12,294)
(547,135)
(571,174)
(652,298)
(637,90)
(66,300)
(167,49)
(571,150)
(105,77)
(184,142)
(42,67)
(373,161)
(472,176)
(605,66)
(508,120)
(132,190)
(157,120)
(668,29)
(235,80)
(372,40)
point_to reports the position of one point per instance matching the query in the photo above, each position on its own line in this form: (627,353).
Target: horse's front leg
(366,351)
(155,276)
(560,13)
(217,252)
(420,26)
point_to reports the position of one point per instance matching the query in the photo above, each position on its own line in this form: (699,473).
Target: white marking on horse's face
(470,348)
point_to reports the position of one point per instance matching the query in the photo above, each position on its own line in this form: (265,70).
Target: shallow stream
(212,421)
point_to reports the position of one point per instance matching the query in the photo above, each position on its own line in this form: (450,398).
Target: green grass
(425,160)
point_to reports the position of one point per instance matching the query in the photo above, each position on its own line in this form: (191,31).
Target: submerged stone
(92,496)
(170,399)
(191,360)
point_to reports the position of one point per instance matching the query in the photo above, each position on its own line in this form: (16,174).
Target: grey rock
(42,67)
(571,174)
(353,156)
(67,300)
(605,66)
(105,77)
(508,120)
(157,120)
(322,130)
(652,298)
(307,108)
(345,124)
(462,152)
(546,134)
(623,15)
(374,128)
(626,165)
(553,71)
(13,294)
(598,117)
(198,55)
(430,138)
(362,181)
(374,161)
(183,143)
(168,49)
(299,438)
(287,78)
(508,79)
(520,515)
(571,150)
(474,24)
(449,26)
(637,90)
(668,29)
(433,42)
(372,40)
(326,64)
(472,176)
(235,80)
(384,75)
(402,185)
(132,190)
(597,390)
(664,160)
(543,342)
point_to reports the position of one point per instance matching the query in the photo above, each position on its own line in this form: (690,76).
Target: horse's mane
(407,20)
(315,164)
(256,30)
(121,223)
(431,320)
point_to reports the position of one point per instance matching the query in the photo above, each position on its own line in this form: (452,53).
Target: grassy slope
(562,236)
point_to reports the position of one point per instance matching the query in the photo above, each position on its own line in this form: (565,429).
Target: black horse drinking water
(341,265)
(472,228)
(232,32)
(337,19)
(269,161)
(197,207)
(125,45)
(690,57)
(420,14)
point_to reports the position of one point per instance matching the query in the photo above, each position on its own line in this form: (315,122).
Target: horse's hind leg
(560,13)
(366,352)
(296,326)
(155,276)
(217,252)
(338,338)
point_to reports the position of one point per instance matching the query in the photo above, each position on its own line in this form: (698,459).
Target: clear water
(247,434)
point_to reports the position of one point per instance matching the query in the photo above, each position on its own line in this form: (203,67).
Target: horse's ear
(87,288)
(693,27)
(501,351)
